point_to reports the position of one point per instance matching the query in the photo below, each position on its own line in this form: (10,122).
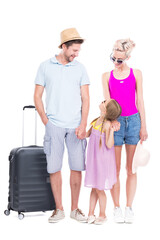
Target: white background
(30,34)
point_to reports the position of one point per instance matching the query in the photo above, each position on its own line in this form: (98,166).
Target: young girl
(101,165)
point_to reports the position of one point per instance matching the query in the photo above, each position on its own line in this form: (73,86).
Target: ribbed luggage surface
(29,185)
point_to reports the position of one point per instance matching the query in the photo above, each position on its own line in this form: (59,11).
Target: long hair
(113,111)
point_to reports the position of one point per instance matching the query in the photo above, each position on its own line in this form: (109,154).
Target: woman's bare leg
(131,182)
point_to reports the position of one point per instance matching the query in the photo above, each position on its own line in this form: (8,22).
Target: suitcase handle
(30,107)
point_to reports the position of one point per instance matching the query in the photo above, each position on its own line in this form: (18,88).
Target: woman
(124,84)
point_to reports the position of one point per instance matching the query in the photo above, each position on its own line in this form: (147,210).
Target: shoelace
(78,211)
(54,213)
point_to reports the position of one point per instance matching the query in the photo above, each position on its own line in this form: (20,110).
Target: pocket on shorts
(47,145)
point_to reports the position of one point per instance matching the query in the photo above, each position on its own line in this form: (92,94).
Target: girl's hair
(124,45)
(113,111)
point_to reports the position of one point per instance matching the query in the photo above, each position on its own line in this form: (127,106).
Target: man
(67,105)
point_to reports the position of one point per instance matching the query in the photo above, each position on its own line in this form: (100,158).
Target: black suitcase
(29,182)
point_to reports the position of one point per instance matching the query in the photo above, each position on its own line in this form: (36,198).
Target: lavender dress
(101,164)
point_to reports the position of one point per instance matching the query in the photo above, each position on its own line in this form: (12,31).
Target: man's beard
(68,58)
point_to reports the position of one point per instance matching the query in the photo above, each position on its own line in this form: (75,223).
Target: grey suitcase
(29,182)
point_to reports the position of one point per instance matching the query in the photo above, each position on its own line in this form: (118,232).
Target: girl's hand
(143,134)
(116,125)
(112,128)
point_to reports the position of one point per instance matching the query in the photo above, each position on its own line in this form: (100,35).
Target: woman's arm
(105,80)
(140,104)
(106,94)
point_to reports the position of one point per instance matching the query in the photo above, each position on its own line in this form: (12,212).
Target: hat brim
(136,156)
(71,39)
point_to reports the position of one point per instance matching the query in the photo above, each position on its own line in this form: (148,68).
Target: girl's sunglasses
(119,61)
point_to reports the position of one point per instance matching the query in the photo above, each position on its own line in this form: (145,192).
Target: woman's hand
(143,134)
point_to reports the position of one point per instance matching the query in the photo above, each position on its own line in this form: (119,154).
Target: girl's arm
(109,131)
(140,104)
(89,132)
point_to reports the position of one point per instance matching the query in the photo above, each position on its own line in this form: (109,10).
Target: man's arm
(39,104)
(81,130)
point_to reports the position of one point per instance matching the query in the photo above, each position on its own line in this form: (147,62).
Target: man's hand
(45,120)
(81,132)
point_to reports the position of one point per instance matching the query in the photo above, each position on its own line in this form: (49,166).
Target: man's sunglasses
(119,61)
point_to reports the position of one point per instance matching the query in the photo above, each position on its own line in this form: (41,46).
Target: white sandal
(100,220)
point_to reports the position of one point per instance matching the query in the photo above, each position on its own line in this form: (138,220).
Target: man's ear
(64,47)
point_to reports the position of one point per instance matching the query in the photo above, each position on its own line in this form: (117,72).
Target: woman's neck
(122,68)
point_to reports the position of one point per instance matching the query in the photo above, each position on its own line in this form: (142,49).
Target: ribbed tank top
(124,92)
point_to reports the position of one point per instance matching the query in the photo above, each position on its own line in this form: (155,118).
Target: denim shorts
(129,130)
(54,148)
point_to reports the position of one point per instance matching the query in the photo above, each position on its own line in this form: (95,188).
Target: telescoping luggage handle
(33,107)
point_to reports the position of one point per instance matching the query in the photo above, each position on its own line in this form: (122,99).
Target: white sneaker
(78,215)
(118,215)
(100,220)
(91,219)
(129,215)
(56,216)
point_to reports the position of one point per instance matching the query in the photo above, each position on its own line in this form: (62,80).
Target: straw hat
(68,35)
(141,157)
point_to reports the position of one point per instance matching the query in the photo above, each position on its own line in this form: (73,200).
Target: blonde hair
(124,45)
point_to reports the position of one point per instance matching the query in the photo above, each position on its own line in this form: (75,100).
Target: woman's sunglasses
(119,61)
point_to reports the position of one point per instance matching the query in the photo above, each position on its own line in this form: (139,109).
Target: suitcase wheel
(7,212)
(20,216)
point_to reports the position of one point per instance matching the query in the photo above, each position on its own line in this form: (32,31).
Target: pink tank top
(124,92)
